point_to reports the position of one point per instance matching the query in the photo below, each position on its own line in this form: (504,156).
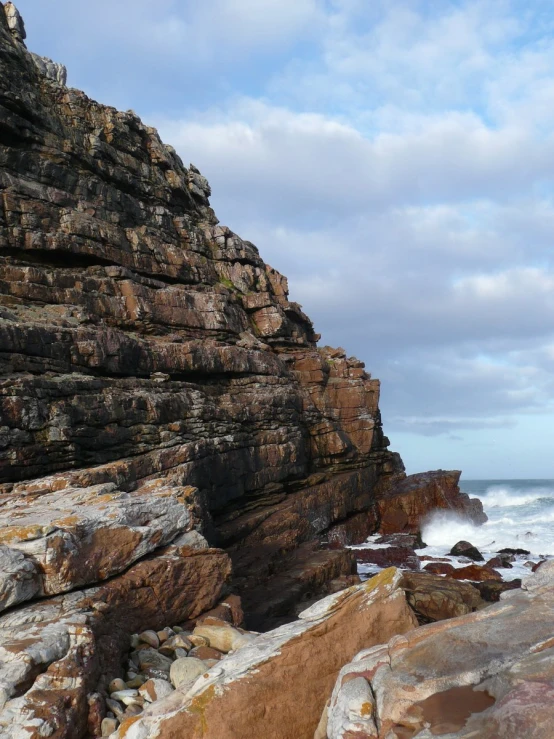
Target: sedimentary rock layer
(141,339)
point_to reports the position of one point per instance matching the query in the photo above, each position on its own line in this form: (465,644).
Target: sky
(393,158)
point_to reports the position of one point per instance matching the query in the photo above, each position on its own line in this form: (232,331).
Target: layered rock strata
(140,339)
(169,429)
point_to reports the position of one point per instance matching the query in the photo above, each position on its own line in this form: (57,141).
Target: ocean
(521,516)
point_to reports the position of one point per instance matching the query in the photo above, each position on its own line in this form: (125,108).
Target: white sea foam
(505,497)
(519,518)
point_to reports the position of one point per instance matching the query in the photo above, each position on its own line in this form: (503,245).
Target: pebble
(153,690)
(136,682)
(198,641)
(165,634)
(223,636)
(180,653)
(186,670)
(115,707)
(151,638)
(133,710)
(109,725)
(127,696)
(178,641)
(205,653)
(151,658)
(117,684)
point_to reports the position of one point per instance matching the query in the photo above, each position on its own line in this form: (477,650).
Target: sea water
(521,516)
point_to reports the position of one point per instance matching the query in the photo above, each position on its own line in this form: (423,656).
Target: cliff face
(139,338)
(169,429)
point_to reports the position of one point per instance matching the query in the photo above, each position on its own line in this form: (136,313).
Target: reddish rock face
(477,573)
(389,557)
(404,502)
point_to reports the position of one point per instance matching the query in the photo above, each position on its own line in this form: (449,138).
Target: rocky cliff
(169,428)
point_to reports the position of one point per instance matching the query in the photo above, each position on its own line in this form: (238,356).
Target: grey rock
(186,670)
(15,22)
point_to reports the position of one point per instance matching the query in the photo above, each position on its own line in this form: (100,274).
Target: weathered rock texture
(486,674)
(277,686)
(157,389)
(55,653)
(139,339)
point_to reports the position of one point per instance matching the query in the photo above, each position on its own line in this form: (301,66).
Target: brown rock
(389,557)
(205,653)
(435,598)
(439,568)
(485,674)
(477,573)
(262,691)
(499,561)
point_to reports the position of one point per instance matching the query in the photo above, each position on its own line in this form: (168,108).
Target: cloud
(393,158)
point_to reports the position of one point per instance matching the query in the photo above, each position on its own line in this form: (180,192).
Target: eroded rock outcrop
(169,428)
(276,687)
(485,674)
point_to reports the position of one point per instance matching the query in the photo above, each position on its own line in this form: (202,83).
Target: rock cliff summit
(171,435)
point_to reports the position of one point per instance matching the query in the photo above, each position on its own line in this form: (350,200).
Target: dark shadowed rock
(465,549)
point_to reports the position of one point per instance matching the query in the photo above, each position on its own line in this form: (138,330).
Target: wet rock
(516,552)
(476,573)
(391,556)
(500,561)
(465,549)
(404,502)
(439,568)
(491,590)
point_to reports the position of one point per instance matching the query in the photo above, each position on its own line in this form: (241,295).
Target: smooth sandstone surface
(485,674)
(276,687)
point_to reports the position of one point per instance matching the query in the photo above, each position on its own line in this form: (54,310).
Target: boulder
(476,573)
(465,549)
(54,653)
(491,590)
(436,598)
(485,674)
(53,541)
(390,556)
(501,561)
(276,687)
(439,568)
